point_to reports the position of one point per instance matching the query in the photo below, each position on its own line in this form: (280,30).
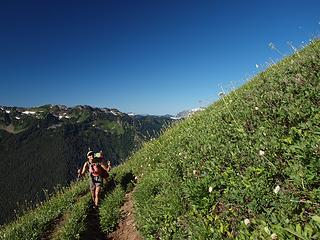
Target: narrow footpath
(126,229)
(93,231)
(53,226)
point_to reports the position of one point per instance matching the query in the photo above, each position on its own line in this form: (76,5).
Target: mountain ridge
(46,145)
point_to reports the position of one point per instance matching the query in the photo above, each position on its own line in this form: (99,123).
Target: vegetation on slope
(50,147)
(110,210)
(74,224)
(35,223)
(247,167)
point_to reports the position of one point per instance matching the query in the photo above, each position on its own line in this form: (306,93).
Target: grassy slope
(264,134)
(34,223)
(206,175)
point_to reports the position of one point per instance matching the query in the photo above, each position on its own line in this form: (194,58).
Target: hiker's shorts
(95,182)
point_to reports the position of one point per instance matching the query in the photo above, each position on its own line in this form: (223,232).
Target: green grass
(110,126)
(245,168)
(204,176)
(35,222)
(109,210)
(74,225)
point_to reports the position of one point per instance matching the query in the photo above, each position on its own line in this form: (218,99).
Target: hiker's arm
(84,168)
(103,165)
(109,166)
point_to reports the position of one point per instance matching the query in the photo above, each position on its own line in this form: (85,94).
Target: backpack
(96,170)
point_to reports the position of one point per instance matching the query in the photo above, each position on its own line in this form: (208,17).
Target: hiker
(96,169)
(79,174)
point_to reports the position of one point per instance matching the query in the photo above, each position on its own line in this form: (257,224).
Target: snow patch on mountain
(29,112)
(187,113)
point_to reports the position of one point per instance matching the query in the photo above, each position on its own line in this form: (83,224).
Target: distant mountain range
(187,113)
(42,147)
(181,115)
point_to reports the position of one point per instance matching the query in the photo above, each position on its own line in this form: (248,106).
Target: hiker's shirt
(95,172)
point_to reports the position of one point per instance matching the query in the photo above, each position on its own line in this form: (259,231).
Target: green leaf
(295,233)
(316,218)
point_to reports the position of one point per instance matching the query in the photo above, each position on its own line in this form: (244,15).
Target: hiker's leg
(93,194)
(92,189)
(97,195)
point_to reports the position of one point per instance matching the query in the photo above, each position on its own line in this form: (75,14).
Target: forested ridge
(42,148)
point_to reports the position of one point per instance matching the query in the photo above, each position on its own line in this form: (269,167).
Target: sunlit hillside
(247,167)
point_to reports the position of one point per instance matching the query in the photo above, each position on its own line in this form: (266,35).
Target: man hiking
(96,169)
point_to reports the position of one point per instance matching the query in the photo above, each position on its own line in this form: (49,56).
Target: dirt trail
(52,227)
(55,225)
(126,229)
(93,231)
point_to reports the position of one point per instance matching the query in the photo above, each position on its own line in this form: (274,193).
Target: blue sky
(147,57)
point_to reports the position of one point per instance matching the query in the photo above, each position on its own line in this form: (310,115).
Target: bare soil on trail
(52,227)
(93,231)
(126,229)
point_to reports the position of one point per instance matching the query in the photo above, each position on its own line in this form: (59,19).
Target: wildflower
(274,236)
(180,153)
(256,108)
(246,221)
(221,94)
(149,165)
(277,189)
(261,152)
(210,189)
(194,172)
(266,229)
(271,45)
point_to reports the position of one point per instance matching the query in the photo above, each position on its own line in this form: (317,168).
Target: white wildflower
(221,94)
(194,172)
(277,189)
(180,153)
(274,236)
(266,229)
(210,189)
(256,108)
(149,165)
(271,45)
(246,221)
(261,152)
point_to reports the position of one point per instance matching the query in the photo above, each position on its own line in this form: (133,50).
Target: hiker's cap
(90,153)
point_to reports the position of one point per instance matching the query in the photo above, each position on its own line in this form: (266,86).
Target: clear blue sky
(147,57)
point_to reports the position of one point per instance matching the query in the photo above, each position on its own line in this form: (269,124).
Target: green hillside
(248,167)
(43,147)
